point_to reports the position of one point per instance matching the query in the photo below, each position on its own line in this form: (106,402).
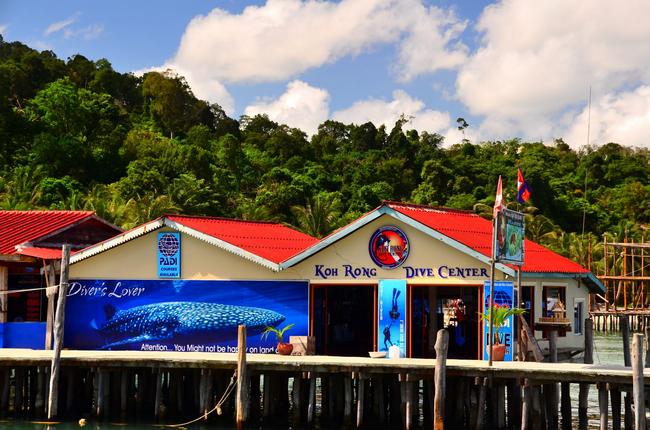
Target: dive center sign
(388,247)
(349,271)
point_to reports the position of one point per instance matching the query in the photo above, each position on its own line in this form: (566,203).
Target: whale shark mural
(171,315)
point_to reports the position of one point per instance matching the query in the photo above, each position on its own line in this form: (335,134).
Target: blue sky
(512,68)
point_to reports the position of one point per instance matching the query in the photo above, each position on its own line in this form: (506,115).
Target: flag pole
(491,322)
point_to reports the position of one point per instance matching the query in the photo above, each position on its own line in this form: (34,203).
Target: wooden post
(480,416)
(602,405)
(347,406)
(615,396)
(526,407)
(442,343)
(4,286)
(50,292)
(637,382)
(646,342)
(158,397)
(566,405)
(59,321)
(241,396)
(584,387)
(550,390)
(361,388)
(625,332)
(311,408)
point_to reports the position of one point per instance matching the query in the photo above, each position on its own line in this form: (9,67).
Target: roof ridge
(438,208)
(45,211)
(218,218)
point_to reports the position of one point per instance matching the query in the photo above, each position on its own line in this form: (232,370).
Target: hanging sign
(388,247)
(392,315)
(509,237)
(503,296)
(169,255)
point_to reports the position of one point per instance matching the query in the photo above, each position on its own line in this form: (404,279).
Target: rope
(217,407)
(26,290)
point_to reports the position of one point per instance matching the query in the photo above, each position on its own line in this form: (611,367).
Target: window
(578,315)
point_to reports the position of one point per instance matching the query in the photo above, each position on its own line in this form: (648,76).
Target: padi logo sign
(389,247)
(169,255)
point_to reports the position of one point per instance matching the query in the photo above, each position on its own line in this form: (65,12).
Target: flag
(523,189)
(498,202)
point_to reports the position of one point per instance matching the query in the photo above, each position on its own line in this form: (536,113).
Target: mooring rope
(217,407)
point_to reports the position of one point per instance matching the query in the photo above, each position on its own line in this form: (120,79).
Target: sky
(512,69)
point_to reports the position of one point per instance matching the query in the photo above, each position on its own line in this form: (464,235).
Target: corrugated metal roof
(44,253)
(272,241)
(17,227)
(476,232)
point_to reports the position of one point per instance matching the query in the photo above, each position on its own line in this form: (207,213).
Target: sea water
(608,349)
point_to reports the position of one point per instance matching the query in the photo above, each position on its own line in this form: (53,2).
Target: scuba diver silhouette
(394,313)
(387,336)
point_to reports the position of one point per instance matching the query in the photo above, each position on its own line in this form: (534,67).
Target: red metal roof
(44,253)
(17,227)
(476,232)
(272,241)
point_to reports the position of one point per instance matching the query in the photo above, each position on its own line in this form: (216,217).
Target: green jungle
(76,135)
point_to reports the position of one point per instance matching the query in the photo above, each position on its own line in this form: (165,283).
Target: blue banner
(169,255)
(185,316)
(392,315)
(503,295)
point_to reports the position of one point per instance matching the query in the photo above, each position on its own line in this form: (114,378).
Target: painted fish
(178,320)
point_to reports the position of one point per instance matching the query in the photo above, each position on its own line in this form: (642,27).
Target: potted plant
(500,314)
(283,348)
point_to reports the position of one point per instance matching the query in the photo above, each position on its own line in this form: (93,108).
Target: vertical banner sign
(392,315)
(169,255)
(503,296)
(509,246)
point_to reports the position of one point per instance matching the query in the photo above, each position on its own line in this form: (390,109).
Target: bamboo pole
(241,395)
(637,382)
(441,346)
(59,321)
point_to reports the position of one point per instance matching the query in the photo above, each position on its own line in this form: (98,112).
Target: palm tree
(319,216)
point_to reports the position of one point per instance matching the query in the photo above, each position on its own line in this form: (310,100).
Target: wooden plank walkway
(260,363)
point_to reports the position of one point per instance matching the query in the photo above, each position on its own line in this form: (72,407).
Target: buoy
(82,422)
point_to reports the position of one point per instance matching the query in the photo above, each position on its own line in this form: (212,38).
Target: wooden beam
(441,346)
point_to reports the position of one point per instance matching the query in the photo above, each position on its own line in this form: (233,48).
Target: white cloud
(3,28)
(538,59)
(623,118)
(60,25)
(388,112)
(282,38)
(88,33)
(301,106)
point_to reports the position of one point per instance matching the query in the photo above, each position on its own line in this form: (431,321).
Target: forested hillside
(76,134)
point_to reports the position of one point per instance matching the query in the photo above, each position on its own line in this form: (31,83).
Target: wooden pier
(168,387)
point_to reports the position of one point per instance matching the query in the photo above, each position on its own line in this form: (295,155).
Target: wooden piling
(527,405)
(59,321)
(565,407)
(637,382)
(241,395)
(615,396)
(602,405)
(480,417)
(646,344)
(311,407)
(361,389)
(583,396)
(348,399)
(441,346)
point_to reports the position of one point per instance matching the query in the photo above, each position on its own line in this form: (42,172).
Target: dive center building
(391,278)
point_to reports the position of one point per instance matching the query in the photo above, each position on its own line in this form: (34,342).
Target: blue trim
(593,283)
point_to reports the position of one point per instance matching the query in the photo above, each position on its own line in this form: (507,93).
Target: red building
(30,253)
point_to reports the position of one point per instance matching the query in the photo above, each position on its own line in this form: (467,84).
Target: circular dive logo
(389,247)
(168,245)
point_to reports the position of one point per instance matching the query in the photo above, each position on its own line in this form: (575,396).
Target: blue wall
(22,335)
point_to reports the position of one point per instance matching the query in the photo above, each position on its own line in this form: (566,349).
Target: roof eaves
(336,236)
(117,240)
(222,244)
(593,283)
(449,241)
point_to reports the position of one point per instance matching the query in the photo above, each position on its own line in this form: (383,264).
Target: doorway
(344,319)
(453,308)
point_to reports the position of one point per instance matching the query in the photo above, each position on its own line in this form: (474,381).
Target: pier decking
(170,387)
